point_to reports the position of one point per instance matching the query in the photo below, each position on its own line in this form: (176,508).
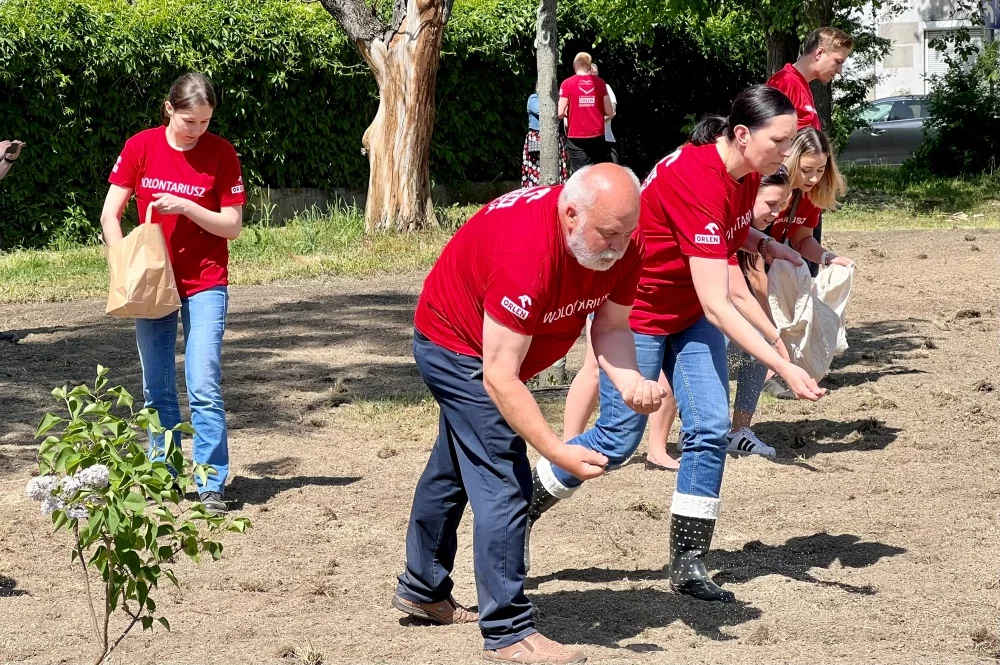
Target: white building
(905,70)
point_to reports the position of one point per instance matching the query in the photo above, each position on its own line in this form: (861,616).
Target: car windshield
(877,112)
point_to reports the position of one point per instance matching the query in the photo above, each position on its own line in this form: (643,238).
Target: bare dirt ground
(872,540)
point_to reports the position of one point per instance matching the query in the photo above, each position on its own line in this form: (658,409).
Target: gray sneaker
(213,502)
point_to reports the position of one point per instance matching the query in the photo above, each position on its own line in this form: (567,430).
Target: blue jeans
(203,316)
(479,460)
(694,362)
(750,375)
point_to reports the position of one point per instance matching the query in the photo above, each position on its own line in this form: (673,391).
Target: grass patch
(317,244)
(885,198)
(311,245)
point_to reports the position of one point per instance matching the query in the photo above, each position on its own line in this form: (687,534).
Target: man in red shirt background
(509,296)
(823,56)
(585,104)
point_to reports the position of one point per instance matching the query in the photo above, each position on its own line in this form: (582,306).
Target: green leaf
(130,559)
(163,622)
(48,422)
(114,519)
(199,471)
(173,578)
(135,502)
(240,524)
(59,519)
(147,623)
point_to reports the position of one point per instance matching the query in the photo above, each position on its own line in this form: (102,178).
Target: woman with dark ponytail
(188,181)
(697,205)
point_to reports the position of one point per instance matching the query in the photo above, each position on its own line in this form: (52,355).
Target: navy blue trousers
(477,459)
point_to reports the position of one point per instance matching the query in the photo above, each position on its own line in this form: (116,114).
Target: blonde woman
(816,183)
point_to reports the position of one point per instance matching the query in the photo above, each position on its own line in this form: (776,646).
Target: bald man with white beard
(510,295)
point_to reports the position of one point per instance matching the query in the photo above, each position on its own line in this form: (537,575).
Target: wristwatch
(7,159)
(826,258)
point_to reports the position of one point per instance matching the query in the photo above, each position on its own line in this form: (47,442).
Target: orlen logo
(513,307)
(117,164)
(238,189)
(711,238)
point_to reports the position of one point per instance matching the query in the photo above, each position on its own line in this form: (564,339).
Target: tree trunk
(398,142)
(782,48)
(547,59)
(404,60)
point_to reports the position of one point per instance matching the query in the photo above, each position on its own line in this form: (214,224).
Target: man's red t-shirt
(208,174)
(691,206)
(806,215)
(510,261)
(791,82)
(585,113)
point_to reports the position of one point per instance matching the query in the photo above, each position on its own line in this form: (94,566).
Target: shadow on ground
(605,617)
(8,588)
(793,559)
(258,375)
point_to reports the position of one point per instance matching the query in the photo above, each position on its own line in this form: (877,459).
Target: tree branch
(357,18)
(90,597)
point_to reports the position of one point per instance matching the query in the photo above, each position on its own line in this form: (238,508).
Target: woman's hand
(801,384)
(170,204)
(841,261)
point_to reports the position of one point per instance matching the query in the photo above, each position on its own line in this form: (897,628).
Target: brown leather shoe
(445,612)
(536,649)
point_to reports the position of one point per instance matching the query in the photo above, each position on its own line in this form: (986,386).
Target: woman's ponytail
(709,129)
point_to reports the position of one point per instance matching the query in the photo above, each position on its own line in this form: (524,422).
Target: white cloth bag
(810,314)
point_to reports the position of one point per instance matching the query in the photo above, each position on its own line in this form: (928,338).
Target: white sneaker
(745,442)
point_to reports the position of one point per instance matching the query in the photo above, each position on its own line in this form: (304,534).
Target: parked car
(895,130)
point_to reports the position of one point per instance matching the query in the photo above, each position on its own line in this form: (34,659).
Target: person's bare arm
(227,223)
(563,107)
(614,347)
(748,306)
(503,352)
(609,108)
(773,250)
(805,243)
(111,215)
(7,164)
(711,282)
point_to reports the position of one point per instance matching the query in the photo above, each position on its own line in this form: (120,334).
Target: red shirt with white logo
(586,105)
(691,206)
(807,215)
(510,261)
(791,82)
(208,174)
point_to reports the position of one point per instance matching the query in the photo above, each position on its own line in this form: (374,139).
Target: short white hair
(578,191)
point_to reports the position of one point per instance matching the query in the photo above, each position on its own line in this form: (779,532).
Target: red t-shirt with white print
(791,82)
(208,174)
(510,261)
(807,215)
(691,206)
(585,113)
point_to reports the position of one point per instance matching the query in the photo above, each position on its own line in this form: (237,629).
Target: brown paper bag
(142,279)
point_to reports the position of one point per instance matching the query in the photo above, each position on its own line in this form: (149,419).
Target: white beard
(589,259)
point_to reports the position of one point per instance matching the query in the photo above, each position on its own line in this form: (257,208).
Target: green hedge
(80,76)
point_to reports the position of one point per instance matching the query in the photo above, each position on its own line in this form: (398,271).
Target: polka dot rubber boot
(690,540)
(541,500)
